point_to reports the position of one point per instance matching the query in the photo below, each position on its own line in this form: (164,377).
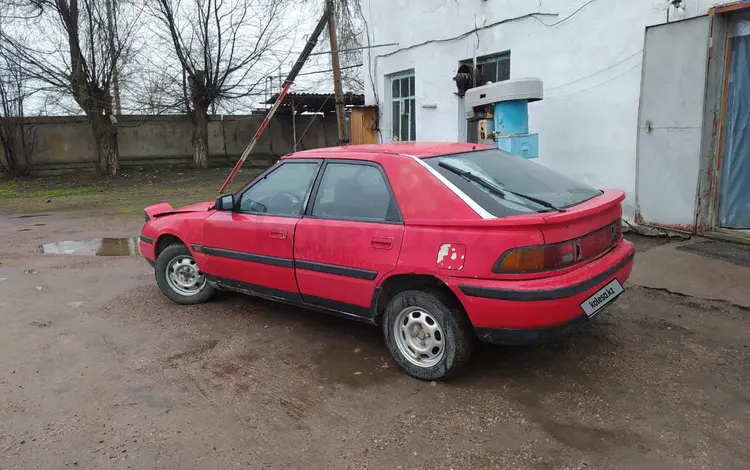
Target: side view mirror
(225,202)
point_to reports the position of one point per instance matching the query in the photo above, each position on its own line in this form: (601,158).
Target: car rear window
(513,174)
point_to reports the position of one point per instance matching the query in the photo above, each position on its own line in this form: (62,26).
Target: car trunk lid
(583,219)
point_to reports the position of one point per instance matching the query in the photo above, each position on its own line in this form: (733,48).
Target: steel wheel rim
(419,337)
(184,276)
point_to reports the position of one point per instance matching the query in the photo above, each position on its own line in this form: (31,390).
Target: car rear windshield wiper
(496,188)
(541,202)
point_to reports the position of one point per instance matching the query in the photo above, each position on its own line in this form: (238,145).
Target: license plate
(602,297)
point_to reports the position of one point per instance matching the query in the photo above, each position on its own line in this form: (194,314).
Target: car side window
(354,191)
(281,192)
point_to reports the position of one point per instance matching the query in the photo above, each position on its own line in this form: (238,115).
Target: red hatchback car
(441,244)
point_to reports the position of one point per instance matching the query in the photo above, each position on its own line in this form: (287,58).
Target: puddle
(575,435)
(366,367)
(93,247)
(578,436)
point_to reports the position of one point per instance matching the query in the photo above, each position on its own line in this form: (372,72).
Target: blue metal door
(734,197)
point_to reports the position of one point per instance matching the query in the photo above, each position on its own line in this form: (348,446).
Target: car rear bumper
(515,312)
(534,336)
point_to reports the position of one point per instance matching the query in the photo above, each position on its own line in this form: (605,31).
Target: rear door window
(517,176)
(354,191)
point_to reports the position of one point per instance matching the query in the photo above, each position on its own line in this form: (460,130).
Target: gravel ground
(99,370)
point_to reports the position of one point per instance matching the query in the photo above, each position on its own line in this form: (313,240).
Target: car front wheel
(180,278)
(428,335)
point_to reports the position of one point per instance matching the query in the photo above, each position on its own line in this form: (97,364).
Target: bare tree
(348,20)
(16,136)
(156,92)
(77,51)
(221,47)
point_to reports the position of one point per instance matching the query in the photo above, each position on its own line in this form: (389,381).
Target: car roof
(416,149)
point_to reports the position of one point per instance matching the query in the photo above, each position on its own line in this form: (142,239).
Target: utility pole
(113,56)
(294,127)
(336,66)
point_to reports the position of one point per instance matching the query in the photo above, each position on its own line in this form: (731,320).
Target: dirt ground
(99,370)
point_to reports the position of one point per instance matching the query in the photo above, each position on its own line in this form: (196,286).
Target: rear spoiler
(607,199)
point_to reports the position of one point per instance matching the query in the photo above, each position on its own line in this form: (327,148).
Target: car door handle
(381,243)
(279,233)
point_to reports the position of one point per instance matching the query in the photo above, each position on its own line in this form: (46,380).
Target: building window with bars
(493,68)
(403,99)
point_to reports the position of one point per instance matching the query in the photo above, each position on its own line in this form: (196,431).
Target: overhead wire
(312,120)
(598,84)
(536,15)
(469,33)
(567,17)
(331,70)
(595,73)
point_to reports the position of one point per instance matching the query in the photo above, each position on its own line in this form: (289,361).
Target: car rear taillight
(559,255)
(536,258)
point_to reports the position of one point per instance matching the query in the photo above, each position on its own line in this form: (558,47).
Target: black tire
(165,257)
(458,334)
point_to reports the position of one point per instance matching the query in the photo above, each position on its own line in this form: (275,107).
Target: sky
(154,56)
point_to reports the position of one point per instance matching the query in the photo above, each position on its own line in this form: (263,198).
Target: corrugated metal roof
(315,102)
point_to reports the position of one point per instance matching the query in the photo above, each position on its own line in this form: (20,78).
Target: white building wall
(590,65)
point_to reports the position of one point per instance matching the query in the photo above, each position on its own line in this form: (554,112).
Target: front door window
(281,192)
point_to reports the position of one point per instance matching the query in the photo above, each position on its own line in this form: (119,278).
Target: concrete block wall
(66,143)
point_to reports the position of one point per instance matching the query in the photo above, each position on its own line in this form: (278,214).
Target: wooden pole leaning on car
(311,42)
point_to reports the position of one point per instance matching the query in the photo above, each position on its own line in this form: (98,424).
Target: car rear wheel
(428,335)
(180,278)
